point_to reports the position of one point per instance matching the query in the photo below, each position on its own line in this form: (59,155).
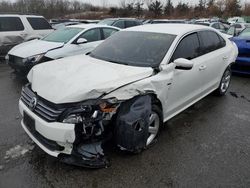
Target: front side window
(62,35)
(120,24)
(188,48)
(134,48)
(107,32)
(39,23)
(211,41)
(92,35)
(11,24)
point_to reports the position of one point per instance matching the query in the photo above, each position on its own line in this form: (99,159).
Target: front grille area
(15,60)
(42,108)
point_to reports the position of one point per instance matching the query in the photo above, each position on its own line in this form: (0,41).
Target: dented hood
(78,78)
(34,47)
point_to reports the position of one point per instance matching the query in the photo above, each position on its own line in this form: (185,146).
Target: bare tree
(156,8)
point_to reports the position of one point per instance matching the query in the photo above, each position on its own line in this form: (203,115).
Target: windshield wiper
(117,62)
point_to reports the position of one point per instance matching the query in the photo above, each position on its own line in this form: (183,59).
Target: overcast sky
(117,2)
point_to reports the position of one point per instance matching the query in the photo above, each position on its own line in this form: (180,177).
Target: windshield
(62,35)
(106,22)
(245,33)
(134,48)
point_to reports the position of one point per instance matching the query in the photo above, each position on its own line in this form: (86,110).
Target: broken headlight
(33,59)
(103,109)
(73,119)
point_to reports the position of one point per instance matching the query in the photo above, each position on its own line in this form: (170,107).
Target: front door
(186,84)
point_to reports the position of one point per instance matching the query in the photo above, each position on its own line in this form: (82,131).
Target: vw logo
(33,103)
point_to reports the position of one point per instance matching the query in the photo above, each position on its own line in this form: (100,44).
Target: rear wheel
(224,83)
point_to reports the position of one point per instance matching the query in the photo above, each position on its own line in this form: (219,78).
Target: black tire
(224,83)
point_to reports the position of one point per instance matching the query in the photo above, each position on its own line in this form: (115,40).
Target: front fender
(157,84)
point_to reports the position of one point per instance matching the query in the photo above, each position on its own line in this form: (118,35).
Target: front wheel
(155,123)
(224,83)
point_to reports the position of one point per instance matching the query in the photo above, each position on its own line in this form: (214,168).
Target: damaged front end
(127,121)
(93,128)
(76,133)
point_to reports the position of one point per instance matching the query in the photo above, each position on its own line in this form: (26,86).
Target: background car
(233,20)
(71,40)
(242,41)
(216,25)
(16,28)
(236,28)
(121,22)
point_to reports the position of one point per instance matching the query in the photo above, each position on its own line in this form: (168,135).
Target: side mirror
(81,41)
(183,64)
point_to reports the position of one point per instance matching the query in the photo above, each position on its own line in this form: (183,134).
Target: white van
(16,28)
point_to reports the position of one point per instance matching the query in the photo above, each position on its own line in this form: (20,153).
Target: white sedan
(127,87)
(69,41)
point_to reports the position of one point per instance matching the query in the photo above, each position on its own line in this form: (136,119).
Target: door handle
(225,58)
(202,67)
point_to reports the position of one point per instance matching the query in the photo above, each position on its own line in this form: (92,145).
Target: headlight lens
(73,119)
(34,59)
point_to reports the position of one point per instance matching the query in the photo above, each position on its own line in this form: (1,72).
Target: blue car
(242,64)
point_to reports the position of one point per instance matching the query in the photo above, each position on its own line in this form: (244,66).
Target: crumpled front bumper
(57,140)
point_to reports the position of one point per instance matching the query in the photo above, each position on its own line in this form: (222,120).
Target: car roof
(174,29)
(89,26)
(120,19)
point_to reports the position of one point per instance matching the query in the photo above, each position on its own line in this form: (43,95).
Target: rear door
(214,55)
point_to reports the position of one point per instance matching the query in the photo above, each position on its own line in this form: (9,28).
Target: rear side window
(210,41)
(39,23)
(120,24)
(107,32)
(216,26)
(11,24)
(130,24)
(188,48)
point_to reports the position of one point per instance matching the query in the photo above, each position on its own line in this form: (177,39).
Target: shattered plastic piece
(87,155)
(18,151)
(131,130)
